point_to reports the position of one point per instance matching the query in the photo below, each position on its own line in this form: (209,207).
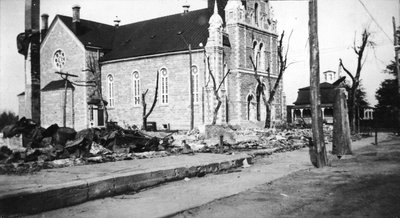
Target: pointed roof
(92,33)
(215,19)
(57,84)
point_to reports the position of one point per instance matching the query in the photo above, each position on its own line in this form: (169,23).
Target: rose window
(59,59)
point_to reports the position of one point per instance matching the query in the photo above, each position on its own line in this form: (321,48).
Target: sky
(340,24)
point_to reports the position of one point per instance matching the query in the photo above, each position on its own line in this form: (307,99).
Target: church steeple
(215,29)
(215,20)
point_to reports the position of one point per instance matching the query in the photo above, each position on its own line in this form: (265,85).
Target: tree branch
(155,97)
(223,79)
(346,70)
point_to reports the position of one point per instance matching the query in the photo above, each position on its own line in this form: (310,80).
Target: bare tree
(216,89)
(359,50)
(93,66)
(282,60)
(146,115)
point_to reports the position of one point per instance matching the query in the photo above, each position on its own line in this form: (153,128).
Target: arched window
(110,90)
(164,86)
(196,91)
(256,14)
(261,62)
(255,53)
(136,88)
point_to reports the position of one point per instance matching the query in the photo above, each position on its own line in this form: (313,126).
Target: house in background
(228,32)
(301,110)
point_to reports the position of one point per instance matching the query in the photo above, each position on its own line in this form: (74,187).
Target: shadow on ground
(364,185)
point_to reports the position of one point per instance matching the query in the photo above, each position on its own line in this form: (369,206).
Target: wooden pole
(65,78)
(316,117)
(65,102)
(396,52)
(191,88)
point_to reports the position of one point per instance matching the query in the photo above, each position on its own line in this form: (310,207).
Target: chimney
(76,19)
(45,25)
(116,22)
(186,8)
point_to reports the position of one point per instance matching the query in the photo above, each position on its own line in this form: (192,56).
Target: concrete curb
(66,194)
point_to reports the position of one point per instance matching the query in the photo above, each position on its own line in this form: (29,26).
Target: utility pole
(316,116)
(396,35)
(65,76)
(191,89)
(180,33)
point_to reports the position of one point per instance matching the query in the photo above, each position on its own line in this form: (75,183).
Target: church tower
(214,51)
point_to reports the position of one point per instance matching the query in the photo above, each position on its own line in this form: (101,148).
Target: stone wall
(60,37)
(176,112)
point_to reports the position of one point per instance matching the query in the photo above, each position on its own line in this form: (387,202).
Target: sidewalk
(58,188)
(61,187)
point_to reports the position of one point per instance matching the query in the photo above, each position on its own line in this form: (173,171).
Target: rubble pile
(62,146)
(56,146)
(249,139)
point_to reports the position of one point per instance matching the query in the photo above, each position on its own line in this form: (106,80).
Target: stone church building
(128,57)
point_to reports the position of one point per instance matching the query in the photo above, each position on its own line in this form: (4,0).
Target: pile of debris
(238,140)
(62,146)
(56,146)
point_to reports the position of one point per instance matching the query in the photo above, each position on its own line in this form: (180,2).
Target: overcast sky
(340,21)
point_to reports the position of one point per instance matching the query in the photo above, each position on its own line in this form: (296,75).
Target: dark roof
(92,33)
(323,85)
(327,93)
(57,84)
(160,35)
(155,36)
(21,94)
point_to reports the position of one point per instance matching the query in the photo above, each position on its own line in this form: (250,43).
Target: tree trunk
(258,99)
(215,113)
(268,116)
(353,110)
(341,144)
(144,117)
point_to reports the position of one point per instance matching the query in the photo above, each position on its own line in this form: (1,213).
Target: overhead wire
(376,22)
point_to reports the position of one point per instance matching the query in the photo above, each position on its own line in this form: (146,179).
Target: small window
(59,59)
(110,90)
(164,86)
(136,88)
(196,91)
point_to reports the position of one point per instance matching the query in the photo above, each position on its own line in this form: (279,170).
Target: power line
(376,22)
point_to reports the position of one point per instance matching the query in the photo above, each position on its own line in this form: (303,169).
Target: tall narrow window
(110,90)
(136,88)
(255,53)
(164,86)
(261,60)
(196,93)
(256,14)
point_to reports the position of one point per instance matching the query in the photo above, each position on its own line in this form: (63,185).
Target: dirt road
(364,185)
(282,184)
